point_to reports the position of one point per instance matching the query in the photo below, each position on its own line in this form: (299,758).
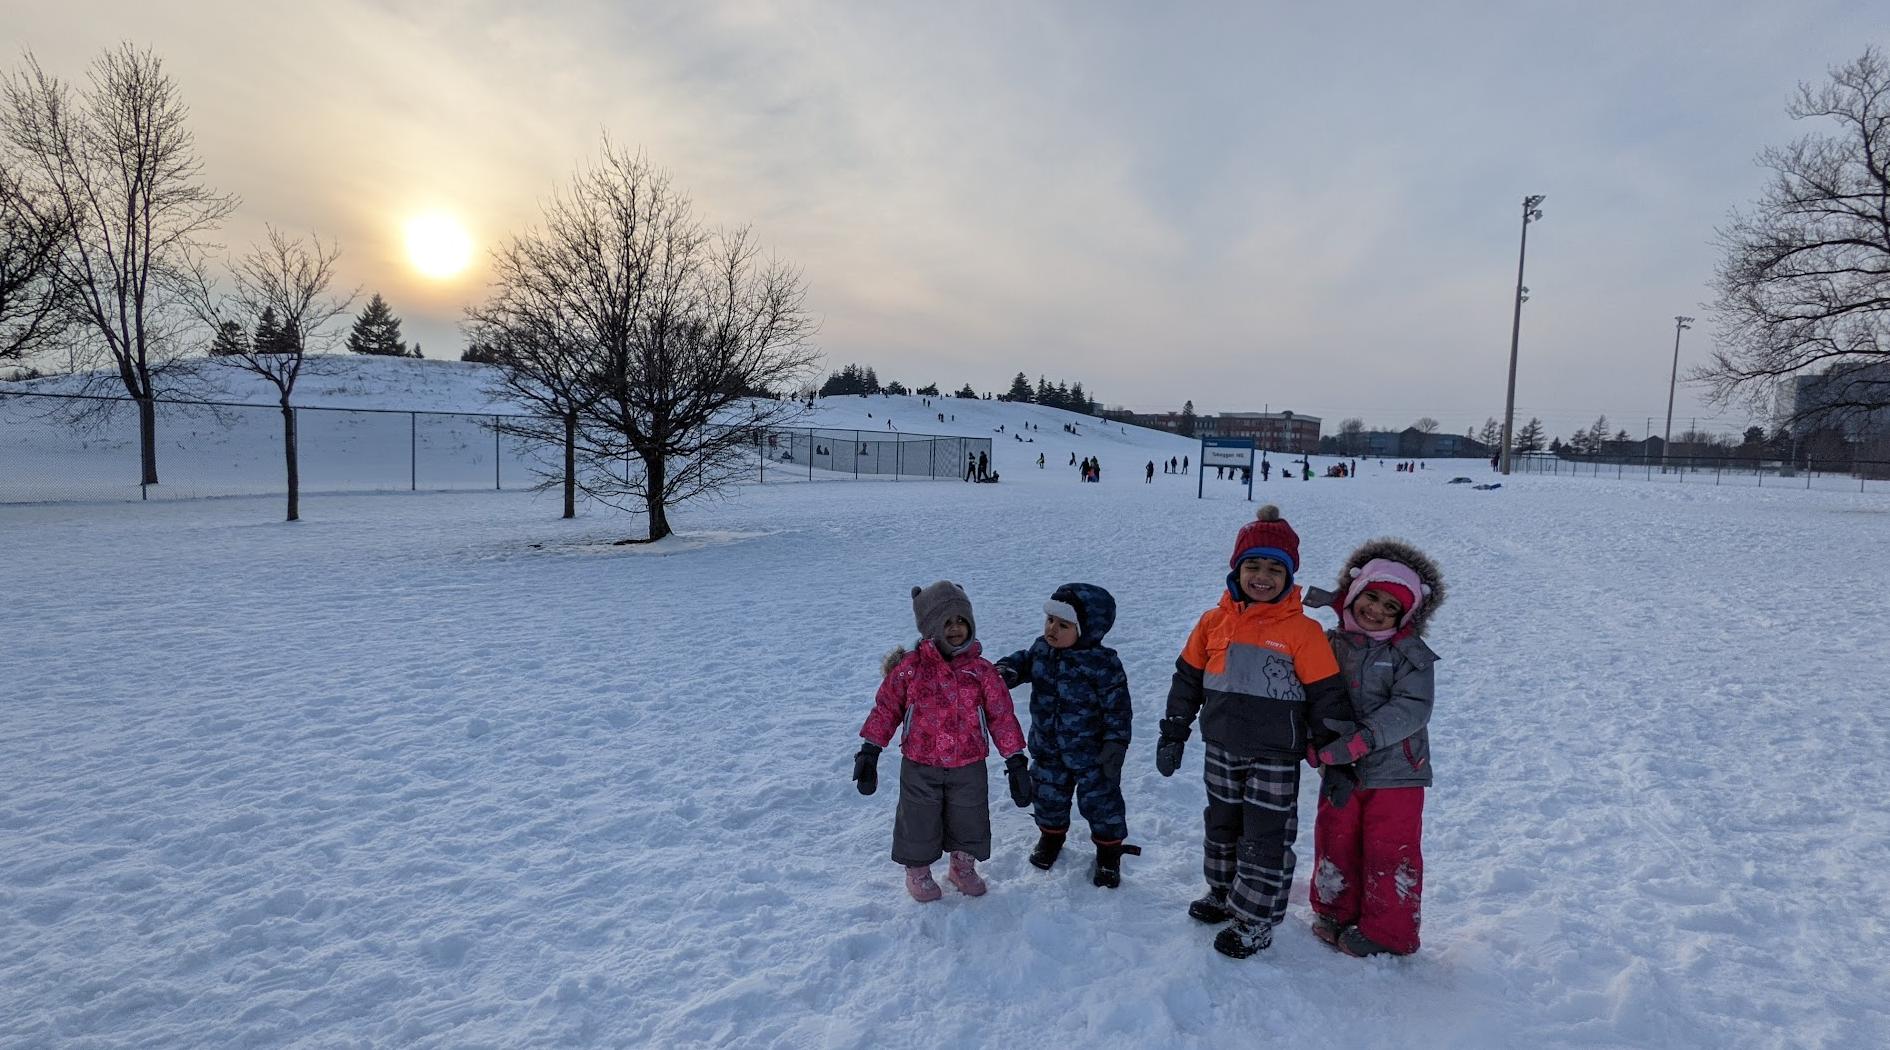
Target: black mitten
(1168,752)
(866,768)
(1337,784)
(1017,770)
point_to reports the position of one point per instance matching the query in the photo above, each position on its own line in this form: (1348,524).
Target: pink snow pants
(1367,866)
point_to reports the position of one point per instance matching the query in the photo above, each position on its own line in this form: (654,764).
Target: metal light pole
(1680,324)
(1530,213)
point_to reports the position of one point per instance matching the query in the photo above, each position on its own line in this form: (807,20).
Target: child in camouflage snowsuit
(1079,726)
(1368,868)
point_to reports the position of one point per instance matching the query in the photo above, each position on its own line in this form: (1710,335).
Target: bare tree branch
(120,161)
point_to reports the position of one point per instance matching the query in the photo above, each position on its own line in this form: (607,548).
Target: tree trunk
(147,439)
(570,464)
(654,494)
(288,452)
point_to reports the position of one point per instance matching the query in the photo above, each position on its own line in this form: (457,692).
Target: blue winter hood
(1095,610)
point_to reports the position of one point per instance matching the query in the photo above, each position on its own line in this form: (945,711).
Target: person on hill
(1368,864)
(1148,474)
(1039,461)
(1080,724)
(1258,671)
(984,466)
(1184,464)
(947,696)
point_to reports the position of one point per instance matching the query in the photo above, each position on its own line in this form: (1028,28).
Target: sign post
(1224,452)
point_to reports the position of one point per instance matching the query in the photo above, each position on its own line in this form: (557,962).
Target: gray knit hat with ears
(932,606)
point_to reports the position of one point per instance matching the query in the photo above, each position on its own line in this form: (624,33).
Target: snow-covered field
(441,770)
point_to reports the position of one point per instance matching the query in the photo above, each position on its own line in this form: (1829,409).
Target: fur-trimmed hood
(1403,553)
(900,652)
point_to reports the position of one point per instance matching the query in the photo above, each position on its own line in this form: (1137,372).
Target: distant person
(1184,464)
(948,697)
(971,466)
(1072,459)
(1376,771)
(1148,476)
(984,465)
(1039,461)
(1266,470)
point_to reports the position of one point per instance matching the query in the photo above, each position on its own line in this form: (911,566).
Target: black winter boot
(1107,871)
(1211,908)
(1243,938)
(1049,844)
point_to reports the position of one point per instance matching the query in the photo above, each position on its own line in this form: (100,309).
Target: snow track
(443,771)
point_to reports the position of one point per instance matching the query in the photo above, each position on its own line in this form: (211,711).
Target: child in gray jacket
(1368,867)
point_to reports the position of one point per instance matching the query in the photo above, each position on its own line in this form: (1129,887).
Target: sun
(437,245)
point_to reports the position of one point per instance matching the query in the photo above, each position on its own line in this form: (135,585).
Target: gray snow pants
(940,810)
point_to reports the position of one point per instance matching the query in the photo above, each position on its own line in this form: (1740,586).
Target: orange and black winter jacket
(1258,674)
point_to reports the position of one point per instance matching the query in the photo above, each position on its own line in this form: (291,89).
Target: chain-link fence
(59,447)
(1805,472)
(813,454)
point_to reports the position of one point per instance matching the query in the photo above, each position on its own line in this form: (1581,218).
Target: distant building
(1839,399)
(1273,431)
(1170,422)
(1412,443)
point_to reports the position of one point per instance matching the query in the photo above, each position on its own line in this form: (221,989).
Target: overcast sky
(1250,205)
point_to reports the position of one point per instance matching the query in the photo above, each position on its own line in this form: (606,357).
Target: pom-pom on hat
(1267,536)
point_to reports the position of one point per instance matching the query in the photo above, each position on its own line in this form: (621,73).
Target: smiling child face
(1262,579)
(1377,611)
(957,631)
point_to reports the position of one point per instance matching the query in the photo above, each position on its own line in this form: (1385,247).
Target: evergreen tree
(377,331)
(1187,420)
(897,389)
(1043,395)
(481,353)
(1060,397)
(1079,401)
(869,382)
(928,390)
(1529,438)
(967,393)
(230,340)
(1492,433)
(1019,391)
(274,338)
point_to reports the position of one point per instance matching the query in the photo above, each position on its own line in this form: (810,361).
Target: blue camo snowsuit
(1079,706)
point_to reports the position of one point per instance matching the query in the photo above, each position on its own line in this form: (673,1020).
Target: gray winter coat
(1391,682)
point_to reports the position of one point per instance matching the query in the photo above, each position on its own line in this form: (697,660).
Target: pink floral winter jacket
(945,705)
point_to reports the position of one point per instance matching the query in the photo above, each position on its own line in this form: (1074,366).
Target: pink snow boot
(919,883)
(964,874)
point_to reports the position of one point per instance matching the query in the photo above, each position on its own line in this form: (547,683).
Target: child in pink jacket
(945,693)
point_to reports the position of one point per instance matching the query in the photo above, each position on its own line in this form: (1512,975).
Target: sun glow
(437,245)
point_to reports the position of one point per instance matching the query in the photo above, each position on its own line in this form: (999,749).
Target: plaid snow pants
(1252,818)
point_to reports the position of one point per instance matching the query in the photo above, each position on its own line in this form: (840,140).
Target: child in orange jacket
(1259,671)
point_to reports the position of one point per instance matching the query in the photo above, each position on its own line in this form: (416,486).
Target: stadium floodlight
(1680,324)
(1531,212)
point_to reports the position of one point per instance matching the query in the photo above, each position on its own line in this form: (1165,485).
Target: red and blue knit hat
(1267,536)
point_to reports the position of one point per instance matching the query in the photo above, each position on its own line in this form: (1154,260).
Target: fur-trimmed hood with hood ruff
(1391,550)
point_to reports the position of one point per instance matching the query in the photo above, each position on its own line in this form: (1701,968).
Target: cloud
(1230,203)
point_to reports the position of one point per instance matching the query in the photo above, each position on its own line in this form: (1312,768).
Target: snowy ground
(443,771)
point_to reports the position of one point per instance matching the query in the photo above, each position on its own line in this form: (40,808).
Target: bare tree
(643,333)
(290,280)
(32,232)
(119,160)
(1426,425)
(539,367)
(1352,436)
(1803,281)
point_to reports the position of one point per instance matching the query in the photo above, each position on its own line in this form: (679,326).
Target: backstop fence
(66,447)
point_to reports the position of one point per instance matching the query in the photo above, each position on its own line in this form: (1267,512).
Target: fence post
(761,454)
(495,454)
(413,453)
